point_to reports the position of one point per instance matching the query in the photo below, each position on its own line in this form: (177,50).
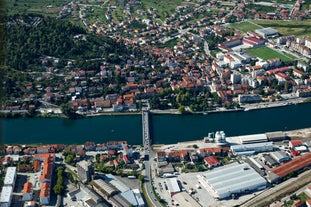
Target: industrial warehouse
(232,179)
(249,149)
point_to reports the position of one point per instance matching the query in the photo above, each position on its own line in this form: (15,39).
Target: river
(165,129)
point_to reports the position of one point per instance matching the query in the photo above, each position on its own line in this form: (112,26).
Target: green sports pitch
(267,53)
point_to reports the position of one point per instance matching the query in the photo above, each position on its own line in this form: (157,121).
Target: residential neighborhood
(184,54)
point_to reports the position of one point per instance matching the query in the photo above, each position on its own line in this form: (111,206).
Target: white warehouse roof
(257,147)
(6,194)
(10,176)
(172,185)
(233,178)
(253,138)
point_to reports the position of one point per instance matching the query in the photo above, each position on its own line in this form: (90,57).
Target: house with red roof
(101,147)
(126,159)
(295,143)
(45,193)
(43,149)
(27,191)
(161,156)
(17,149)
(89,146)
(30,151)
(211,161)
(116,164)
(9,150)
(36,165)
(47,170)
(111,153)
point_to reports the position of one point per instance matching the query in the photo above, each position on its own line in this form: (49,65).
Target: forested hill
(28,38)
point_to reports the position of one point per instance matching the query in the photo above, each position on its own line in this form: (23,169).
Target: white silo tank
(223,136)
(217,137)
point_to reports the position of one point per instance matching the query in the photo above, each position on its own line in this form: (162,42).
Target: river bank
(109,112)
(303,134)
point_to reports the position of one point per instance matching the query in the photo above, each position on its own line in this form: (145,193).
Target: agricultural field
(298,28)
(245,26)
(267,53)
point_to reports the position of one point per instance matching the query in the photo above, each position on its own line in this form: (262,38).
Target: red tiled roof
(293,165)
(45,190)
(47,169)
(27,187)
(211,160)
(36,165)
(296,142)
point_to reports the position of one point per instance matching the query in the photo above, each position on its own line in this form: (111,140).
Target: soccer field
(245,26)
(267,53)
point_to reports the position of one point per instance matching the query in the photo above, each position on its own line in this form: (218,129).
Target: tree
(182,109)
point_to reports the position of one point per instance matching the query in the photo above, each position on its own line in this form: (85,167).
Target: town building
(85,170)
(249,98)
(279,156)
(45,193)
(27,191)
(253,138)
(211,161)
(172,185)
(6,196)
(10,177)
(220,183)
(267,32)
(294,165)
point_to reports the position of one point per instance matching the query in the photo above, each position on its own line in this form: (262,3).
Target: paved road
(150,156)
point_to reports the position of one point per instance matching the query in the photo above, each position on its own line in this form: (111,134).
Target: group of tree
(59,187)
(195,99)
(26,43)
(69,157)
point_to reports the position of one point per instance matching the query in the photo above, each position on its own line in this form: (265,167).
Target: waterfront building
(231,179)
(253,138)
(85,170)
(249,98)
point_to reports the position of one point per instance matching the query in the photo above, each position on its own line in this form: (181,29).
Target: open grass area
(298,28)
(267,53)
(245,26)
(44,7)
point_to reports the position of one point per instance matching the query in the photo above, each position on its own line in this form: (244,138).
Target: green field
(34,6)
(245,26)
(298,28)
(266,53)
